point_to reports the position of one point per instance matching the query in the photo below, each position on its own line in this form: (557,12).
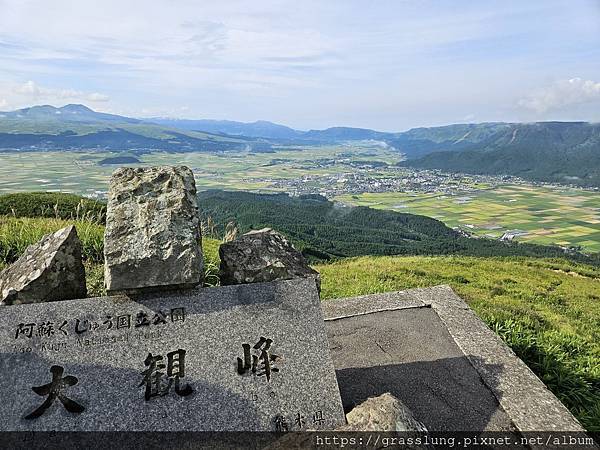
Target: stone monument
(262,255)
(156,357)
(250,357)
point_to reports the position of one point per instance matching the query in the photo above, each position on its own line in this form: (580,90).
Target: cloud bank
(563,94)
(30,92)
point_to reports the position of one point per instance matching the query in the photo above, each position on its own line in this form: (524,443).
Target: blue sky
(387,65)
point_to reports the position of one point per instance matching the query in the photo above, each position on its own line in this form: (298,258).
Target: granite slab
(249,357)
(429,349)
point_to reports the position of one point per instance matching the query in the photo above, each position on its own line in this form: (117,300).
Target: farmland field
(540,214)
(484,206)
(81,173)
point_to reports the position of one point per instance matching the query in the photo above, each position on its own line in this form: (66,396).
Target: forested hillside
(548,151)
(324,230)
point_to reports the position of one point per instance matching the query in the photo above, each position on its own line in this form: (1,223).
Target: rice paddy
(81,172)
(538,214)
(525,212)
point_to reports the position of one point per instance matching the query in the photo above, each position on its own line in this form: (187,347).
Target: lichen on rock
(50,270)
(152,238)
(262,255)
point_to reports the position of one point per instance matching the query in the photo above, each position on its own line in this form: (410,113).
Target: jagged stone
(262,255)
(152,238)
(382,413)
(49,270)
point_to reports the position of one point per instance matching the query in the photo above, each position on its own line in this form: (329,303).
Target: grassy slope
(16,233)
(52,205)
(548,311)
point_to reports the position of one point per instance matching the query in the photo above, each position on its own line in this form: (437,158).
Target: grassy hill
(52,205)
(76,127)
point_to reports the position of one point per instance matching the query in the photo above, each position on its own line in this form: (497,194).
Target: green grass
(546,310)
(210,250)
(94,279)
(53,205)
(16,233)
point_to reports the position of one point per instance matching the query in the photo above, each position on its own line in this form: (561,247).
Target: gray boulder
(48,271)
(262,255)
(383,413)
(152,239)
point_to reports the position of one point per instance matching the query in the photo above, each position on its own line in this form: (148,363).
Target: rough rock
(152,238)
(49,270)
(382,413)
(262,255)
(385,414)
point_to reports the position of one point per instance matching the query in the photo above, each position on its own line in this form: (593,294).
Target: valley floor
(364,175)
(527,213)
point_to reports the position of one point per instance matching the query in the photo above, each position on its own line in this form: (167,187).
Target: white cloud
(562,94)
(97,97)
(3,103)
(36,92)
(312,64)
(28,88)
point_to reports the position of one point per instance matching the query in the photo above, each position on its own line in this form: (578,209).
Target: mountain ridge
(77,127)
(564,152)
(555,151)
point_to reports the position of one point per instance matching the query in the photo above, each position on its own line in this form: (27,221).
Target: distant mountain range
(270,130)
(566,152)
(260,128)
(76,127)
